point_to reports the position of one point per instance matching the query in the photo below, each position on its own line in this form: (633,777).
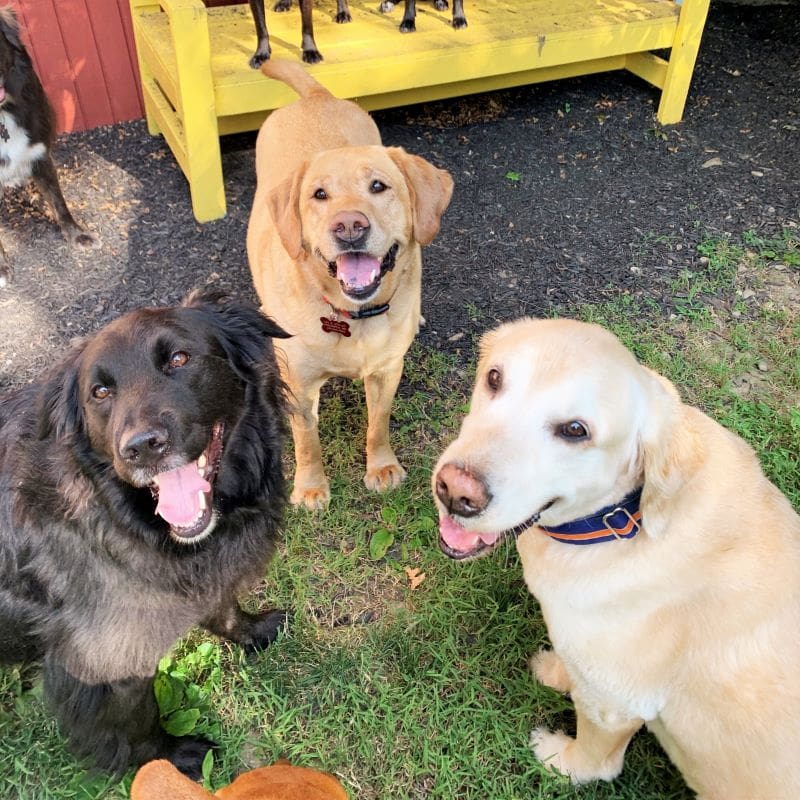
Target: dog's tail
(294,76)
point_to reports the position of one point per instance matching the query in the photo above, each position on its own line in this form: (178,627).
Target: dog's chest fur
(17,154)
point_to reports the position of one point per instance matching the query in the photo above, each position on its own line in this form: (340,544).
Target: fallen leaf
(712,162)
(415,577)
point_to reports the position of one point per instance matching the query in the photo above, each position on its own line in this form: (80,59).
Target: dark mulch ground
(605,200)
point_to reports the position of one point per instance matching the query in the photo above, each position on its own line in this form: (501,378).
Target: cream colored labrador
(677,606)
(334,243)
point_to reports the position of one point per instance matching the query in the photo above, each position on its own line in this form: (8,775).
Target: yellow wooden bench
(197,84)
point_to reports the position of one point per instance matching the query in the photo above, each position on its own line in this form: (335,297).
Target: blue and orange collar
(622,520)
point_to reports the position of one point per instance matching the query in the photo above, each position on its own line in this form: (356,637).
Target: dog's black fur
(92,581)
(408,24)
(311,53)
(25,111)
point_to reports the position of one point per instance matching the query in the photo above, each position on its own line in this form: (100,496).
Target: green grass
(425,693)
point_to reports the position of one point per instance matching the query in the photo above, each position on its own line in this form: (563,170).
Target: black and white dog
(27,132)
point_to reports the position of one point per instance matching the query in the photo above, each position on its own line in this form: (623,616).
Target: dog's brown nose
(462,492)
(349,226)
(145,447)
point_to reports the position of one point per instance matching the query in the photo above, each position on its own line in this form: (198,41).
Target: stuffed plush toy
(159,780)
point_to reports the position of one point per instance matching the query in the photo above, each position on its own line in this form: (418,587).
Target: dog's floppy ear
(241,329)
(60,409)
(431,189)
(158,780)
(668,450)
(283,202)
(9,27)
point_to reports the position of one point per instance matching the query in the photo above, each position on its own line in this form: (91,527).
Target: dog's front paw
(265,629)
(386,6)
(187,754)
(259,57)
(563,754)
(314,498)
(553,750)
(343,16)
(381,479)
(282,5)
(459,22)
(408,26)
(549,669)
(312,56)
(81,238)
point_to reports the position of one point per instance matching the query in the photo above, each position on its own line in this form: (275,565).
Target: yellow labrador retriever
(666,565)
(334,243)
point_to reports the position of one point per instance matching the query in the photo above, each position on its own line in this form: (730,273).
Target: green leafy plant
(183,686)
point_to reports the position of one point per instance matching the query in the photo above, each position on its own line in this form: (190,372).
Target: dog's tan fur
(692,626)
(323,142)
(160,780)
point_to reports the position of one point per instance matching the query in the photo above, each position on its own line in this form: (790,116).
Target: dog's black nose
(462,492)
(349,226)
(145,447)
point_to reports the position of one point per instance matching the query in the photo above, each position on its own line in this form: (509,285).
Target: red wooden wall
(84,54)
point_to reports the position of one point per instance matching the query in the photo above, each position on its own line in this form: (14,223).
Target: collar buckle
(615,531)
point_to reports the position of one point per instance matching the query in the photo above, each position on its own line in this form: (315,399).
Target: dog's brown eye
(320,194)
(574,431)
(376,187)
(494,379)
(101,392)
(178,359)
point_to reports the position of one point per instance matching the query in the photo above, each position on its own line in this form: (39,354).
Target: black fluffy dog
(27,131)
(140,491)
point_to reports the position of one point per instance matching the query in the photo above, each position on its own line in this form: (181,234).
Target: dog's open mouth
(359,273)
(186,494)
(458,543)
(2,95)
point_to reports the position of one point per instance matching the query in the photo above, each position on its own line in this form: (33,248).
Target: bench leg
(682,60)
(203,161)
(141,7)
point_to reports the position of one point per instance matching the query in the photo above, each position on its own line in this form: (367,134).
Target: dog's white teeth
(202,503)
(373,275)
(201,462)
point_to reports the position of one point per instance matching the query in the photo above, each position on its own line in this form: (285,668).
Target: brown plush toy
(159,780)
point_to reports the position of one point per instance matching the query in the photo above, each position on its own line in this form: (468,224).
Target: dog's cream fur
(693,626)
(320,142)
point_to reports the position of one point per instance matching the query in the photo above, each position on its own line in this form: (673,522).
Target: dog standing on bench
(27,132)
(334,244)
(311,53)
(408,23)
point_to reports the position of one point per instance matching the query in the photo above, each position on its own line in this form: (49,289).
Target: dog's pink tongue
(357,270)
(2,93)
(459,538)
(179,494)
